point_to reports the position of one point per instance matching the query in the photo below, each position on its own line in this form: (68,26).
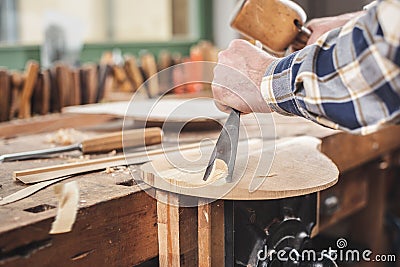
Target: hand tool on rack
(226,147)
(103,143)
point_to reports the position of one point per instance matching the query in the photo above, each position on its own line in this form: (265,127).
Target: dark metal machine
(272,233)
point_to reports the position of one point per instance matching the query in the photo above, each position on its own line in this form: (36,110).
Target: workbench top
(100,186)
(97,188)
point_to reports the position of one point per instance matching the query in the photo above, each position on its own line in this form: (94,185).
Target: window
(98,21)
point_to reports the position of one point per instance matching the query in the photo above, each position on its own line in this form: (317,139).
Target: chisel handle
(103,143)
(115,141)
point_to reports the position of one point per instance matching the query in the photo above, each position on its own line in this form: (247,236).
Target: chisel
(103,143)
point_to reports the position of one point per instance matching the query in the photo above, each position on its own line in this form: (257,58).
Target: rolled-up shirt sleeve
(349,79)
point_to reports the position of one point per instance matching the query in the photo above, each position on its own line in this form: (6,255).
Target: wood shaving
(181,178)
(68,195)
(27,191)
(219,170)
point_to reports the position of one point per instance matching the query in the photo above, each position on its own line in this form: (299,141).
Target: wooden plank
(104,81)
(37,96)
(92,82)
(50,123)
(168,229)
(76,87)
(368,226)
(55,91)
(47,173)
(120,76)
(84,86)
(211,243)
(177,231)
(133,72)
(149,67)
(349,151)
(32,70)
(217,233)
(127,238)
(188,224)
(41,94)
(351,193)
(96,238)
(63,79)
(5,92)
(204,233)
(46,92)
(17,80)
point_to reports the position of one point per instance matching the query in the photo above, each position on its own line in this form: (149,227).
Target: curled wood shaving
(178,177)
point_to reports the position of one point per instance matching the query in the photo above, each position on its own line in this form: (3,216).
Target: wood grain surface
(297,167)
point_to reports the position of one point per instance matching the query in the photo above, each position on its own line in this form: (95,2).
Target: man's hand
(320,26)
(238,76)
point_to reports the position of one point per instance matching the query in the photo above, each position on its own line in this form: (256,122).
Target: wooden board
(32,70)
(5,92)
(211,238)
(297,168)
(48,123)
(177,232)
(156,110)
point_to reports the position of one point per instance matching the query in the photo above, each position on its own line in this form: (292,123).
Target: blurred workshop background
(105,49)
(95,26)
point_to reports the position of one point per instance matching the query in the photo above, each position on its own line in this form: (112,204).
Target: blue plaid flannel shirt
(349,79)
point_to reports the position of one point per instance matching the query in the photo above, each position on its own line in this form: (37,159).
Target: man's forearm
(348,80)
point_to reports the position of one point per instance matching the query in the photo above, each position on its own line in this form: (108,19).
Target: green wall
(15,57)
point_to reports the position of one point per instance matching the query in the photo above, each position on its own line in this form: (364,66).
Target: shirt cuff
(370,5)
(276,87)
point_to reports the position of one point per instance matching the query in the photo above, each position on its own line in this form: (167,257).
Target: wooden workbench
(118,225)
(366,163)
(115,226)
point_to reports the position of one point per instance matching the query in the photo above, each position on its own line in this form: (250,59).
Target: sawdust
(65,137)
(109,170)
(116,169)
(71,159)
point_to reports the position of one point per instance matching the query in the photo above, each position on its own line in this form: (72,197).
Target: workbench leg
(168,229)
(211,233)
(177,231)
